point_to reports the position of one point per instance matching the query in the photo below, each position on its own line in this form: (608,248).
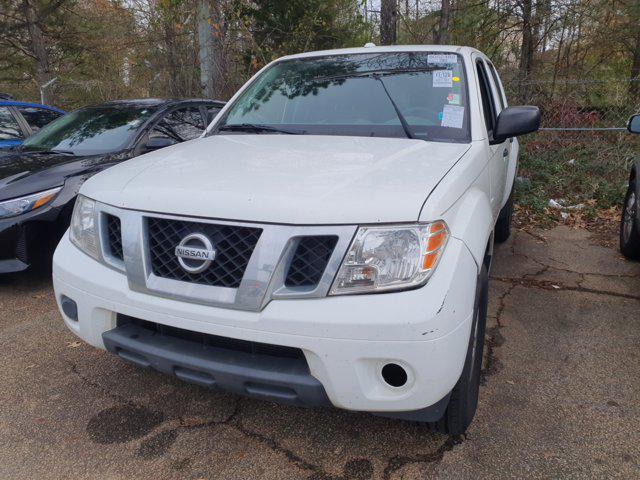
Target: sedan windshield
(407,94)
(90,131)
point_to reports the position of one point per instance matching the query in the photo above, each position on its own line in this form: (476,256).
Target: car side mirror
(515,121)
(634,124)
(157,143)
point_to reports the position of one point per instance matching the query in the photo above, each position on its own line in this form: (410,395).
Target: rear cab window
(354,94)
(499,87)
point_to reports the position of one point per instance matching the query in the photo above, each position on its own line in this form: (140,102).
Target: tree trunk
(634,78)
(526,49)
(388,21)
(171,57)
(211,33)
(39,49)
(443,27)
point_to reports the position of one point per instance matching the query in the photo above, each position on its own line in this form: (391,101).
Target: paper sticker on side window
(442,59)
(452,116)
(442,78)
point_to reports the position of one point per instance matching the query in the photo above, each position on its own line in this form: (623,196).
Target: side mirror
(514,121)
(157,143)
(634,124)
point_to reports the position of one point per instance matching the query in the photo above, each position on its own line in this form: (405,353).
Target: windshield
(409,94)
(90,131)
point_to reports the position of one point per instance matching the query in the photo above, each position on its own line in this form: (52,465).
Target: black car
(630,223)
(39,180)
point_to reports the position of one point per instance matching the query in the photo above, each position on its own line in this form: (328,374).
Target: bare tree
(443,36)
(634,80)
(388,21)
(527,45)
(38,48)
(211,33)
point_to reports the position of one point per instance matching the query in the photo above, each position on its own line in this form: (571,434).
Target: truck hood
(290,179)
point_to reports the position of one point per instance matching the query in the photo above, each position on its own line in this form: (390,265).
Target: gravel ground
(560,394)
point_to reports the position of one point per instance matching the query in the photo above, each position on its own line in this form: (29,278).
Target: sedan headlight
(17,206)
(391,258)
(84,232)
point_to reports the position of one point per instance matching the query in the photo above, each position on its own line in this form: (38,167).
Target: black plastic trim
(284,380)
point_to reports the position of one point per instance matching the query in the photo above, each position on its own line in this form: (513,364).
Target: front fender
(462,200)
(470,220)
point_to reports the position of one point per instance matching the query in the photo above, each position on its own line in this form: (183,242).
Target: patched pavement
(560,394)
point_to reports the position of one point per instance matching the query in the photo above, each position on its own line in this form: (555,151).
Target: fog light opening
(69,307)
(394,375)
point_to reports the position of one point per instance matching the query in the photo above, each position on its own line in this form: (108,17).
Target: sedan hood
(22,173)
(282,178)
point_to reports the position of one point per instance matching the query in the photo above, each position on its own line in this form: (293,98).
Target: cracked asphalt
(560,394)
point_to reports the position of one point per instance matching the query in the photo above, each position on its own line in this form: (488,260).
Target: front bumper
(345,340)
(28,238)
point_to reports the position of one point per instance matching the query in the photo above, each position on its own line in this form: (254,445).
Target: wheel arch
(471,220)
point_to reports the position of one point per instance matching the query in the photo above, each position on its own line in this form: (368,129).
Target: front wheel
(464,396)
(629,234)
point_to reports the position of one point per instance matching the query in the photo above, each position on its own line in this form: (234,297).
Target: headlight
(391,258)
(11,208)
(84,232)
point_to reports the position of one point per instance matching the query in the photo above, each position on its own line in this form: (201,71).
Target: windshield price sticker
(452,116)
(442,59)
(442,78)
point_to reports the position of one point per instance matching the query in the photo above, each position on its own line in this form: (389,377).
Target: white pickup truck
(326,242)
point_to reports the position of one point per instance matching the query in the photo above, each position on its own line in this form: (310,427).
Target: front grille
(21,247)
(114,236)
(204,339)
(310,260)
(233,244)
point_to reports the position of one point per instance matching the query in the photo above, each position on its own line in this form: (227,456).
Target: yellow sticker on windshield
(456,79)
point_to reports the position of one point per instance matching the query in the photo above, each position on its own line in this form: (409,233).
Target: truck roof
(385,49)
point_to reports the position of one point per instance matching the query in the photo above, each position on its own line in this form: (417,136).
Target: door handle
(505,153)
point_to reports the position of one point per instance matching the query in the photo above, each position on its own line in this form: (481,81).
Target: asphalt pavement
(560,395)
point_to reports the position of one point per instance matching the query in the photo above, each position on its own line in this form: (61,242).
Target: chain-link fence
(583,152)
(580,104)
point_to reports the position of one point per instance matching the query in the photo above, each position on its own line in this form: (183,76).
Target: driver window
(497,88)
(488,106)
(179,125)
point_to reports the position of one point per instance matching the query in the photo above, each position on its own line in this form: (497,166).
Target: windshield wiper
(403,121)
(49,152)
(374,73)
(377,75)
(257,127)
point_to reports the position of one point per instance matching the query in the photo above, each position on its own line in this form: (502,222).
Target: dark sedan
(40,179)
(630,222)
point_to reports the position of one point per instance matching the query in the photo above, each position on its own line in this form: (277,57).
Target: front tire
(464,396)
(629,235)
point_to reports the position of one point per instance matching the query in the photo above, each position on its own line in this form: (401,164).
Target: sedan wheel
(629,228)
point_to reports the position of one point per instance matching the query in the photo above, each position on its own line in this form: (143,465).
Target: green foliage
(282,27)
(574,171)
